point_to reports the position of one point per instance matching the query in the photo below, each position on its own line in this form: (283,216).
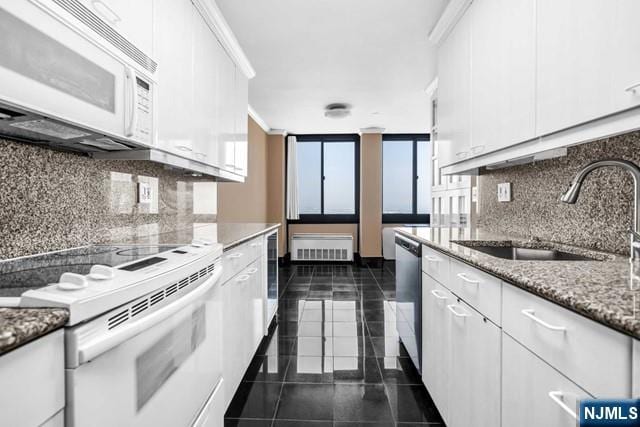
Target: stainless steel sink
(527,254)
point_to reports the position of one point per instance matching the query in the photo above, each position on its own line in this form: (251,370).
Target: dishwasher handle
(409,245)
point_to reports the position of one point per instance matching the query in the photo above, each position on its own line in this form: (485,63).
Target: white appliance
(321,247)
(271,288)
(144,329)
(60,85)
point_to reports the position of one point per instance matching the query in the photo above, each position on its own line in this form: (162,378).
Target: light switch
(504,192)
(144,192)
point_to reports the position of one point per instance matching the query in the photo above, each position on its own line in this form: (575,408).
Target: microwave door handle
(105,342)
(133,97)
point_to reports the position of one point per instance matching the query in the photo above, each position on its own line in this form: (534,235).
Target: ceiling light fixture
(337,111)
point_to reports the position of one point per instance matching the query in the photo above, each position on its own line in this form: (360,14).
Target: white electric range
(144,328)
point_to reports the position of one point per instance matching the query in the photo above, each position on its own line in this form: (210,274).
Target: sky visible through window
(339,173)
(398,180)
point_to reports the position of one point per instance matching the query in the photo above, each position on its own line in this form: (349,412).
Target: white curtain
(292,178)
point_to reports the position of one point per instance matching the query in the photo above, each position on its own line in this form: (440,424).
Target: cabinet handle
(201,155)
(467,279)
(477,149)
(431,258)
(632,88)
(452,309)
(184,148)
(133,94)
(235,255)
(252,270)
(255,244)
(439,294)
(530,313)
(105,11)
(243,278)
(462,154)
(557,396)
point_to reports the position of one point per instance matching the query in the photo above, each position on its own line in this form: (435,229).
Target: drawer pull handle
(530,313)
(557,396)
(457,313)
(467,279)
(633,88)
(252,270)
(439,294)
(243,278)
(235,255)
(431,258)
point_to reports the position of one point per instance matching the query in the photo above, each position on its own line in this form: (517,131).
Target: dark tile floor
(334,358)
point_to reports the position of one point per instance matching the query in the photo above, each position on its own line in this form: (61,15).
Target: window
(406,178)
(328,168)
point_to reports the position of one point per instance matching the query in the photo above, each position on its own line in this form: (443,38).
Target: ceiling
(372,54)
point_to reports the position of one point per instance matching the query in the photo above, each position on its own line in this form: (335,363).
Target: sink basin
(528,254)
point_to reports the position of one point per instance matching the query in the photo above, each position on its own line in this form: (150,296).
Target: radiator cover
(321,247)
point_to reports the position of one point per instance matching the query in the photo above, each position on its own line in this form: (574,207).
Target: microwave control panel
(144,104)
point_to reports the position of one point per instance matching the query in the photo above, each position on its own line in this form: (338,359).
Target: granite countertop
(18,326)
(604,290)
(228,233)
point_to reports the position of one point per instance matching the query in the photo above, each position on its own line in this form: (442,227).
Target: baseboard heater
(321,247)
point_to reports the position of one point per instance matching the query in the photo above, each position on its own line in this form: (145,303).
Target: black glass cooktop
(20,275)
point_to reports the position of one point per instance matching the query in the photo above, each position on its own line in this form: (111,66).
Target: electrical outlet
(504,192)
(144,192)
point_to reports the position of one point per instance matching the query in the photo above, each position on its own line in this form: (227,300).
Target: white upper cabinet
(241,123)
(454,94)
(132,19)
(202,93)
(502,74)
(625,37)
(575,62)
(174,53)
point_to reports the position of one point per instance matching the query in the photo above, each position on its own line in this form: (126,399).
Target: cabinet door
(533,393)
(257,306)
(503,74)
(241,123)
(435,342)
(205,80)
(625,43)
(474,368)
(575,59)
(454,93)
(132,19)
(173,49)
(226,112)
(234,311)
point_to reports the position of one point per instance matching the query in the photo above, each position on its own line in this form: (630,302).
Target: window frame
(323,218)
(414,217)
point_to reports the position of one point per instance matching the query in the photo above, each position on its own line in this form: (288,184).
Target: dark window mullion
(414,190)
(322,176)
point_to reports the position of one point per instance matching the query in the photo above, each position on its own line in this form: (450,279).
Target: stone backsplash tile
(52,200)
(598,220)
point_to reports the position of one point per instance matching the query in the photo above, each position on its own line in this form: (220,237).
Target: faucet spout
(571,195)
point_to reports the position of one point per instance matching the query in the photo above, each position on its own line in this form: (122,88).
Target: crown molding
(431,89)
(371,129)
(280,132)
(449,18)
(256,118)
(214,18)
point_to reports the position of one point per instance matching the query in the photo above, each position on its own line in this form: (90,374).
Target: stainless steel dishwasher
(409,297)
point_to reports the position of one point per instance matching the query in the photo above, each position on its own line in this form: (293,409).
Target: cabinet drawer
(478,289)
(435,264)
(533,393)
(590,354)
(238,257)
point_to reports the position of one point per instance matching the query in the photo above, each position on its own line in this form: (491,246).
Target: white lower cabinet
(212,415)
(461,358)
(533,393)
(33,380)
(435,336)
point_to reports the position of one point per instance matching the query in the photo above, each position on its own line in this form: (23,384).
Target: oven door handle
(101,344)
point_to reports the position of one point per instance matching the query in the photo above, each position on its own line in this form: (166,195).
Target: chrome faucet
(574,190)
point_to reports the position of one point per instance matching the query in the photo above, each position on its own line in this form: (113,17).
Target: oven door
(162,374)
(49,68)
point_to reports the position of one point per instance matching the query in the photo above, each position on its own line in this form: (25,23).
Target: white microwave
(60,85)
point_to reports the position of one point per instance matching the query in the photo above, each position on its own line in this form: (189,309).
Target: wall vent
(321,247)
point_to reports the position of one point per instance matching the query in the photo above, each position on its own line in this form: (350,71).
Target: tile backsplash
(598,220)
(52,200)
